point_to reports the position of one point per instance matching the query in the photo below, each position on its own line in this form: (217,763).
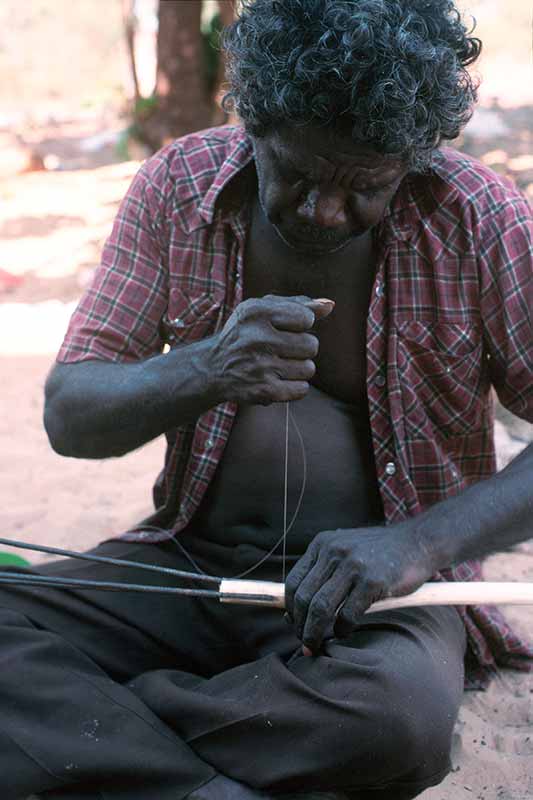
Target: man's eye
(289,173)
(292,175)
(374,191)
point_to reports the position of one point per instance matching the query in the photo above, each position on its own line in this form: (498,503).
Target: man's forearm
(263,354)
(97,409)
(488,517)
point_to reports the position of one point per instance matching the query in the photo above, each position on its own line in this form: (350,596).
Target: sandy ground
(52,227)
(46,498)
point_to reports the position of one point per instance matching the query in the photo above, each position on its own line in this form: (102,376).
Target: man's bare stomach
(244,504)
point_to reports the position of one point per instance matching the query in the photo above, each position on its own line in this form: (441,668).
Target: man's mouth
(310,233)
(312,240)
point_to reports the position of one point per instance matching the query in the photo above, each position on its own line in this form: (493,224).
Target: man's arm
(264,353)
(98,409)
(490,516)
(344,571)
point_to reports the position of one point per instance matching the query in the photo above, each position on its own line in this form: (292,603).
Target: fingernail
(306,651)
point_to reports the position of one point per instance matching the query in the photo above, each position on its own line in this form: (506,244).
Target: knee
(419,739)
(419,718)
(391,734)
(400,729)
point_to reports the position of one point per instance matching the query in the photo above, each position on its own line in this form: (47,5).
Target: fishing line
(285,491)
(286,528)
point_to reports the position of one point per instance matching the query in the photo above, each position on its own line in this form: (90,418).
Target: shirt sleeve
(505,252)
(118,317)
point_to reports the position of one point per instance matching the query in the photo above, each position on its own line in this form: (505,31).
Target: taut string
(285,491)
(289,416)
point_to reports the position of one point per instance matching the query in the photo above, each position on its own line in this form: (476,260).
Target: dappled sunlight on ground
(53,224)
(45,498)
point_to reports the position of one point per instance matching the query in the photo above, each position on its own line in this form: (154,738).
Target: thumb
(321,307)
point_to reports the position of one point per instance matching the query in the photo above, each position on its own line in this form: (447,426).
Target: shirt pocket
(441,378)
(191,316)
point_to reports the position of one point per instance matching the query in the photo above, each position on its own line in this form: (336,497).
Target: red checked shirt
(449,318)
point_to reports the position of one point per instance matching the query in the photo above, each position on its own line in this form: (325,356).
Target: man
(328,255)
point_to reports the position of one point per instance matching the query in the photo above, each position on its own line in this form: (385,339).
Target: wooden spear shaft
(454,593)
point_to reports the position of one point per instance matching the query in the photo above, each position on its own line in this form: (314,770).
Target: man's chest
(346,277)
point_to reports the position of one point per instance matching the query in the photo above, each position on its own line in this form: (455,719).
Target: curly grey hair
(394,71)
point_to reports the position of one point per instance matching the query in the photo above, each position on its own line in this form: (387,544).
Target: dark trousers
(129,696)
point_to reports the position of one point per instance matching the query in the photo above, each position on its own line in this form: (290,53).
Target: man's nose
(323,207)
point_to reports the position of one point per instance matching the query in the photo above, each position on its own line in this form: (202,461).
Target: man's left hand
(344,571)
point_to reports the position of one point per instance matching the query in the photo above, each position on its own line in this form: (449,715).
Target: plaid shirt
(449,318)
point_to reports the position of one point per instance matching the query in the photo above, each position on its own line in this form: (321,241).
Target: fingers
(295,369)
(350,611)
(290,316)
(333,610)
(265,352)
(296,314)
(314,590)
(296,345)
(343,573)
(318,610)
(280,392)
(297,574)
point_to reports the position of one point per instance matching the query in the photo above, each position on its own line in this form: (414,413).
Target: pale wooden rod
(454,593)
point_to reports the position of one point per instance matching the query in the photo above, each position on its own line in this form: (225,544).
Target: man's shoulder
(473,183)
(190,164)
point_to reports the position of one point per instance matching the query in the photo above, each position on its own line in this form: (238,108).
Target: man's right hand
(265,352)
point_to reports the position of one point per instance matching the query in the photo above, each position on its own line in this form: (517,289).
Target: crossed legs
(134,696)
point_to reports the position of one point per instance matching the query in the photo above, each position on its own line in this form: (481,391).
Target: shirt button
(390,468)
(210,443)
(380,380)
(178,322)
(379,290)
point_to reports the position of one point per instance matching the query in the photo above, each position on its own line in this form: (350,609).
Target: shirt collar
(219,196)
(418,197)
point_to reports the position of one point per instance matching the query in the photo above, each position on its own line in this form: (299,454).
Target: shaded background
(75,123)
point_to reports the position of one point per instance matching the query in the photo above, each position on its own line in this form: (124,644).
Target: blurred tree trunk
(190,71)
(182,103)
(130,28)
(227,9)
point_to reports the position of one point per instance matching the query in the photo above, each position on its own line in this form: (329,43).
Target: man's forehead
(322,149)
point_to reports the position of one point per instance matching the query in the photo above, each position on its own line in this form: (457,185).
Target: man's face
(320,190)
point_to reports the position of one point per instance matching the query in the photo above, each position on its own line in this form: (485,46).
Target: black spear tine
(119,562)
(45,581)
